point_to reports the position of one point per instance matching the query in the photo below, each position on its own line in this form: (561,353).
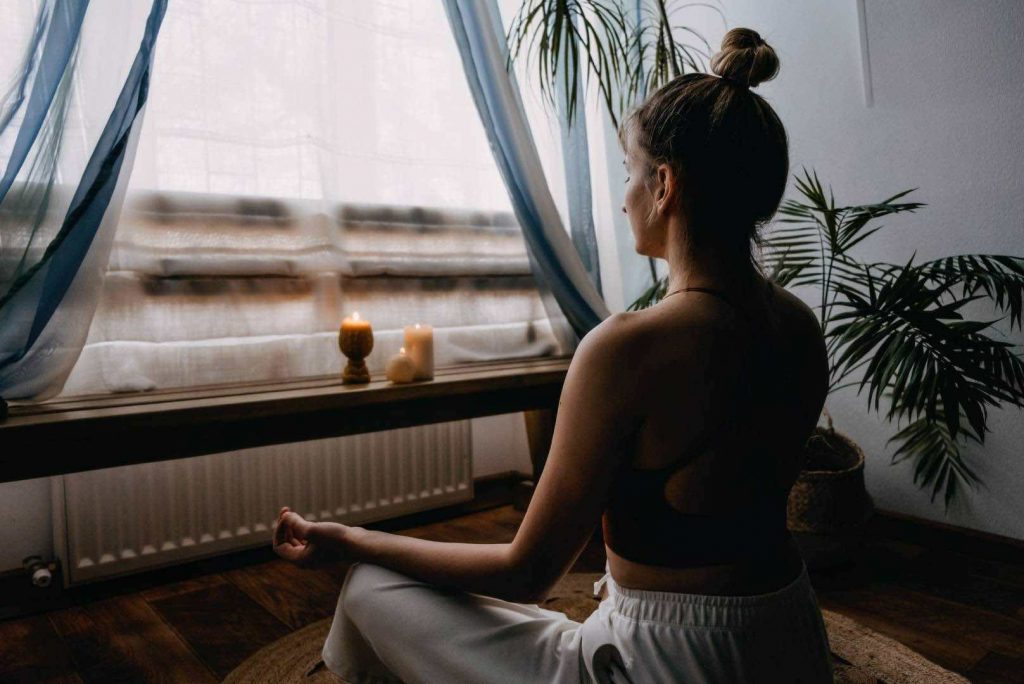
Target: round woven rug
(861,655)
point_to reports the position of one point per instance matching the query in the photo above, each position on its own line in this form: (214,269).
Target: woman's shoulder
(649,343)
(791,306)
(622,342)
(614,337)
(627,331)
(804,340)
(798,324)
(678,324)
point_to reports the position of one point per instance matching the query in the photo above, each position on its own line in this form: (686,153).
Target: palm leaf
(906,332)
(938,462)
(999,276)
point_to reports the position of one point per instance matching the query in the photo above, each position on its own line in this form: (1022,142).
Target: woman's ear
(666,190)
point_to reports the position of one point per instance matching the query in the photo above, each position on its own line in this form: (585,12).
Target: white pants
(391,628)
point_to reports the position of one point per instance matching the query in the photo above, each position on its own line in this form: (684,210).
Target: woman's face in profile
(639,205)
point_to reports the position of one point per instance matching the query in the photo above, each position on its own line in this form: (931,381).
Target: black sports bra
(640,525)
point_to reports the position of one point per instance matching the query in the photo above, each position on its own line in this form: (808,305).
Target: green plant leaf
(651,295)
(625,57)
(1000,276)
(938,463)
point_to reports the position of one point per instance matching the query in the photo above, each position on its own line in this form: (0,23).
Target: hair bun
(745,58)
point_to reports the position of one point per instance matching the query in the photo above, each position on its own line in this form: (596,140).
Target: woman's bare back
(701,337)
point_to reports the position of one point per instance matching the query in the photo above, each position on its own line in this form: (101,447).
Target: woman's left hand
(294,539)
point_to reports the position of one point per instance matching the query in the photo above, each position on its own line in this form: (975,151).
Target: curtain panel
(68,129)
(574,304)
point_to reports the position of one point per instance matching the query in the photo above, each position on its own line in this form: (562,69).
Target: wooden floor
(196,624)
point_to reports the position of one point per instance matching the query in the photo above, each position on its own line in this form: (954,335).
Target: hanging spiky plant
(626,54)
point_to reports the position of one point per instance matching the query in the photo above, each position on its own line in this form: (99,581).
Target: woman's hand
(305,543)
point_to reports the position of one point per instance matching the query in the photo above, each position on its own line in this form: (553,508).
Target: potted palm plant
(899,327)
(897,331)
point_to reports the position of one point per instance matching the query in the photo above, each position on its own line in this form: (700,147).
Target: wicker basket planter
(829,504)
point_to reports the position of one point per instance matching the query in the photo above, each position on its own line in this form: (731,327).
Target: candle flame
(417,326)
(355,316)
(402,351)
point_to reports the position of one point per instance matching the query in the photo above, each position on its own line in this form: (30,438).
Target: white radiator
(119,520)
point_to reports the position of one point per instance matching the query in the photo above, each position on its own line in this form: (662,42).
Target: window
(298,161)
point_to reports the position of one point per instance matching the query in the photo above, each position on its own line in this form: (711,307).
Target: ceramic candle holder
(355,339)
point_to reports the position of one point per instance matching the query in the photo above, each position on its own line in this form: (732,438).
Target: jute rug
(861,655)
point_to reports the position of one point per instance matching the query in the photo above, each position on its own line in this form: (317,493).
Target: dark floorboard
(294,596)
(994,668)
(123,639)
(32,651)
(965,611)
(221,624)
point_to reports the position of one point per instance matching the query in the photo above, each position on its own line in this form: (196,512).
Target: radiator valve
(39,571)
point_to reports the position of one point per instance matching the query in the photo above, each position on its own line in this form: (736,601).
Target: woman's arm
(597,411)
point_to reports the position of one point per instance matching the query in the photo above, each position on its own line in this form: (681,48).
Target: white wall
(947,113)
(25,528)
(499,445)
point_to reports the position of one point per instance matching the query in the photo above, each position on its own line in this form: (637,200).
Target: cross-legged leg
(391,628)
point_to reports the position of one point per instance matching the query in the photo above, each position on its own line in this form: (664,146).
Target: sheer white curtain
(301,160)
(342,101)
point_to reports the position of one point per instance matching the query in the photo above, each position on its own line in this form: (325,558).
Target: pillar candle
(419,344)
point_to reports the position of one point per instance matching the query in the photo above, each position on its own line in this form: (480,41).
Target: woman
(679,429)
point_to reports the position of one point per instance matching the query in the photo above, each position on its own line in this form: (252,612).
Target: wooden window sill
(86,433)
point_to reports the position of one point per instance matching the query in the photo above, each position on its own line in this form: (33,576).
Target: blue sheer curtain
(576,157)
(68,128)
(574,303)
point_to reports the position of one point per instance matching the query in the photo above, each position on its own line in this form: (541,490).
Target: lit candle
(401,367)
(355,339)
(419,341)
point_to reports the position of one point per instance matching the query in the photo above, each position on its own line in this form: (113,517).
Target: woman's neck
(706,268)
